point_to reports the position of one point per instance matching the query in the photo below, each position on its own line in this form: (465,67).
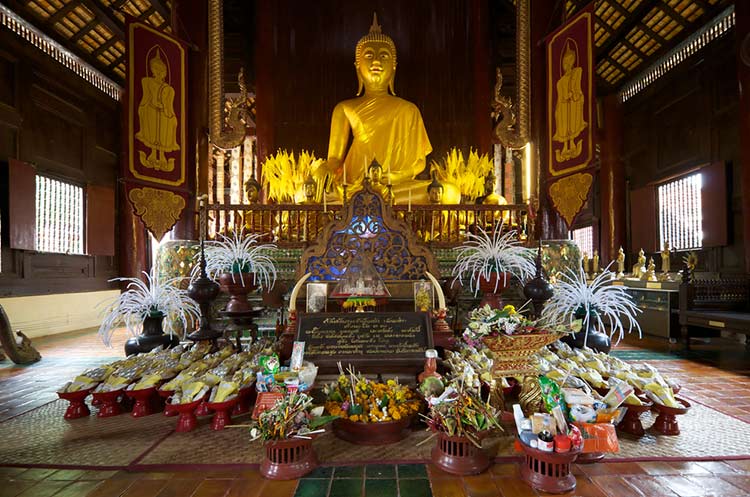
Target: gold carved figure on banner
(156,118)
(158,209)
(383,127)
(569,121)
(570,193)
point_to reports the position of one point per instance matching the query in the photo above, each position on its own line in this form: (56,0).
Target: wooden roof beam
(57,16)
(105,17)
(631,20)
(82,31)
(161,8)
(674,15)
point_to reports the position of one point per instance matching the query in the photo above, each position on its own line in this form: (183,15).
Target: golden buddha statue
(384,127)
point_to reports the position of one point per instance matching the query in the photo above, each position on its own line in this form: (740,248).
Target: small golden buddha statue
(383,126)
(620,263)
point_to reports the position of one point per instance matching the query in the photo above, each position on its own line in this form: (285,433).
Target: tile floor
(716,375)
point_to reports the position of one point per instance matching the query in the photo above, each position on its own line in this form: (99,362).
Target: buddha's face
(376,65)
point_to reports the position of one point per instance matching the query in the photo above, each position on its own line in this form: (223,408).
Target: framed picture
(317,297)
(423,296)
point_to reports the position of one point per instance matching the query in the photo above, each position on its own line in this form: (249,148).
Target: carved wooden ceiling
(629,34)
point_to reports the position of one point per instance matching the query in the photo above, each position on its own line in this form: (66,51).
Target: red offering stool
(246,400)
(187,420)
(203,409)
(77,408)
(666,421)
(458,456)
(109,405)
(288,459)
(223,414)
(144,401)
(169,410)
(548,471)
(631,422)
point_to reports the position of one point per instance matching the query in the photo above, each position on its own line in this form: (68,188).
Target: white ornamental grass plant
(597,302)
(237,255)
(152,298)
(485,253)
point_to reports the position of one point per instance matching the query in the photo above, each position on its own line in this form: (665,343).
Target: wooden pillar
(265,23)
(481,62)
(545,17)
(742,27)
(192,27)
(611,181)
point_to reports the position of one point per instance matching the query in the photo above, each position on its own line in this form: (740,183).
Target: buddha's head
(569,56)
(375,60)
(376,172)
(157,66)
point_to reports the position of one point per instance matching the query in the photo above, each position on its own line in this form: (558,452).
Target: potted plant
(142,308)
(287,430)
(461,420)
(370,412)
(490,260)
(240,264)
(595,304)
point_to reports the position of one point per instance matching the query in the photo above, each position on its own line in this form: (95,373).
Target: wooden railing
(291,225)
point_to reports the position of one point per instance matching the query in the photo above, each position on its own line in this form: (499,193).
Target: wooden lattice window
(584,238)
(681,212)
(59,216)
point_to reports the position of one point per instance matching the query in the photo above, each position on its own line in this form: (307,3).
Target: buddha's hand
(328,170)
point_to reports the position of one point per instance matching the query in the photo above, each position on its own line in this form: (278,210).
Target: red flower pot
(222,410)
(109,405)
(458,456)
(144,401)
(288,459)
(384,433)
(233,285)
(493,289)
(77,408)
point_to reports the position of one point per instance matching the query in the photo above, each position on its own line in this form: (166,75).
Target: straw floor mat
(42,437)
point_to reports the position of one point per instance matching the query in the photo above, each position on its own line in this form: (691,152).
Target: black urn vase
(151,337)
(594,339)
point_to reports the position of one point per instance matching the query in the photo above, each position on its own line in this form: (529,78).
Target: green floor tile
(312,488)
(321,472)
(406,471)
(381,488)
(419,487)
(380,471)
(349,487)
(347,472)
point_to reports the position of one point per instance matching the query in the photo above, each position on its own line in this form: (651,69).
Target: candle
(409,199)
(325,204)
(344,173)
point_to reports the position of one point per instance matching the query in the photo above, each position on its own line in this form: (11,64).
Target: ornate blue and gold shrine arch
(368,227)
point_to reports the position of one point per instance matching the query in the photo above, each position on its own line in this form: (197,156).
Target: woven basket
(512,354)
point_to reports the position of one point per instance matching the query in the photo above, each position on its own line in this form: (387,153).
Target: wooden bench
(721,304)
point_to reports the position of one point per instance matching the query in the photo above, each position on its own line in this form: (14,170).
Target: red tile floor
(716,374)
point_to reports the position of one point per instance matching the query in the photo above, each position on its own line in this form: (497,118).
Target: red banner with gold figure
(156,106)
(570,119)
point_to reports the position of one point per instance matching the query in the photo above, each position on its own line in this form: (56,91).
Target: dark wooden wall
(304,65)
(686,119)
(65,127)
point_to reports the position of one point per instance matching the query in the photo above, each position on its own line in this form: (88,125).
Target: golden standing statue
(665,258)
(569,121)
(156,117)
(620,263)
(383,126)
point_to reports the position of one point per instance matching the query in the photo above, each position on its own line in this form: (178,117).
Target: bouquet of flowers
(292,417)
(359,399)
(488,322)
(460,411)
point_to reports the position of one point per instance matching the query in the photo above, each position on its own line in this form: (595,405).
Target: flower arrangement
(594,303)
(358,399)
(284,175)
(291,417)
(486,321)
(237,255)
(485,253)
(460,411)
(467,174)
(153,298)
